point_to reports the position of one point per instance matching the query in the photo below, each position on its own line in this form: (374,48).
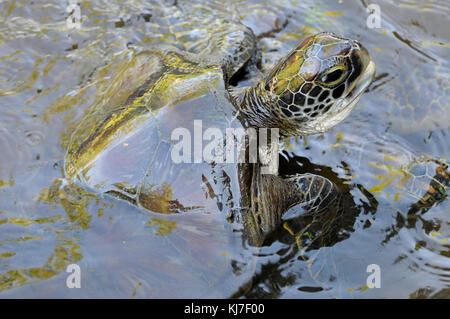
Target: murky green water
(50,73)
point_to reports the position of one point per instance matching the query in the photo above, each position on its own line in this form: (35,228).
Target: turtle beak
(366,77)
(360,87)
(365,56)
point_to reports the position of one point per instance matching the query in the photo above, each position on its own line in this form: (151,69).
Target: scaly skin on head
(313,88)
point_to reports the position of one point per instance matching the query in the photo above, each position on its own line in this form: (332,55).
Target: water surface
(50,73)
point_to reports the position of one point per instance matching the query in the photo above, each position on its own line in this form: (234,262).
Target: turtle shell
(125,147)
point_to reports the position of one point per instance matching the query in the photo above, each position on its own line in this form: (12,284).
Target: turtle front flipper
(313,193)
(235,48)
(273,199)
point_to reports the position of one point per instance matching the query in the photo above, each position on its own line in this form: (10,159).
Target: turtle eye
(333,77)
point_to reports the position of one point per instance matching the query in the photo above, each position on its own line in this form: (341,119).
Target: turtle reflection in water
(123,146)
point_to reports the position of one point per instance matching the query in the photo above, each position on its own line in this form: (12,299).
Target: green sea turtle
(125,145)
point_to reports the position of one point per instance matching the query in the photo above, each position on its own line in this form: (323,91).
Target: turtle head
(318,83)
